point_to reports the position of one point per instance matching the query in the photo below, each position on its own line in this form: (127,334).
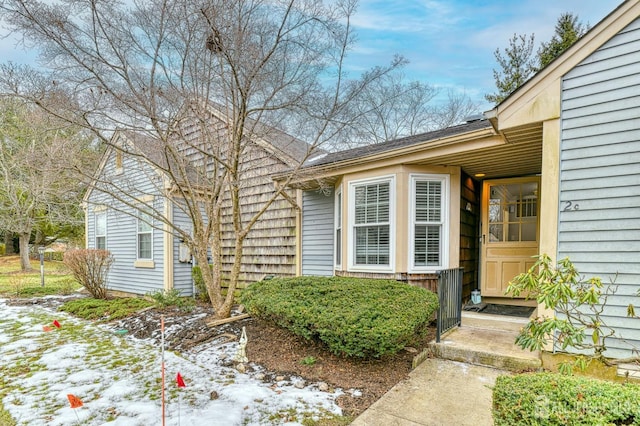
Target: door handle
(482,238)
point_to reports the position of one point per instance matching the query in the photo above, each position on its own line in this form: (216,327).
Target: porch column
(549,193)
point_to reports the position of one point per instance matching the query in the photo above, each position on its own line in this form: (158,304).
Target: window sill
(144,264)
(370,269)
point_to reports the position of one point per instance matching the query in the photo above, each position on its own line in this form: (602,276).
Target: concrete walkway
(438,393)
(455,388)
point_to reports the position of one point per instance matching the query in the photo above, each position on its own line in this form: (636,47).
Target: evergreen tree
(518,62)
(568,30)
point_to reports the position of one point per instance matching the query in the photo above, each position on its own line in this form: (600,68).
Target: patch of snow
(118,379)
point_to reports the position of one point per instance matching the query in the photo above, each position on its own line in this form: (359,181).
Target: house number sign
(570,206)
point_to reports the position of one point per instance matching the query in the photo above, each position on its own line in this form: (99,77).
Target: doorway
(510,231)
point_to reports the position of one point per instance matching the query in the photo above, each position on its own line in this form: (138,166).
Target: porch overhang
(484,153)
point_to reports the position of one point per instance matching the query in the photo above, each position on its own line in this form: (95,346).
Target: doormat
(509,310)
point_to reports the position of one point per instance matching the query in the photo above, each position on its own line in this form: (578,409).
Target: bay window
(428,222)
(372,224)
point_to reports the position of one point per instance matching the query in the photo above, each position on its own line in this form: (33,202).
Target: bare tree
(393,107)
(196,85)
(38,192)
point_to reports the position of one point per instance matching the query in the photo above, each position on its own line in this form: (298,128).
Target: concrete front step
(496,322)
(487,347)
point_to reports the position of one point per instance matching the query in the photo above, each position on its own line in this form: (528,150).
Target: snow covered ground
(118,379)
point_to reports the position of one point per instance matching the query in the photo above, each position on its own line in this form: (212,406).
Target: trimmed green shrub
(356,317)
(556,399)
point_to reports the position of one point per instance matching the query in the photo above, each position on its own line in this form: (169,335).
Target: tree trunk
(25,264)
(8,243)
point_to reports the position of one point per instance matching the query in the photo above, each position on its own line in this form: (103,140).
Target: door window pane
(513,211)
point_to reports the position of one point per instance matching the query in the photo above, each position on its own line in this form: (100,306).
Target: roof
(288,148)
(365,151)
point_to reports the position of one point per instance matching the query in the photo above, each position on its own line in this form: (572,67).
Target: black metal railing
(450,298)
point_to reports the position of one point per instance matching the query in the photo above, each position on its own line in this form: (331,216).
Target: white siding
(599,228)
(317,233)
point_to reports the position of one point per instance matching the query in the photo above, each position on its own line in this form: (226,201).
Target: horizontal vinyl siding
(599,228)
(181,271)
(137,178)
(121,241)
(317,233)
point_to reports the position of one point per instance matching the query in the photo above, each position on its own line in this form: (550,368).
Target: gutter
(309,172)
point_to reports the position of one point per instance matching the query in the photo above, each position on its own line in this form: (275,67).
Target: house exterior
(554,168)
(131,203)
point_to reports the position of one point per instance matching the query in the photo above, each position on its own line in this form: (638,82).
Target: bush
(105,310)
(201,289)
(57,256)
(363,318)
(90,268)
(166,298)
(555,399)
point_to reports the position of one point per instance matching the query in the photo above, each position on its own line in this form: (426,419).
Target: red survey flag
(74,401)
(179,381)
(56,323)
(46,328)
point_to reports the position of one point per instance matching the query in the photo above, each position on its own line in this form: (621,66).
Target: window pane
(428,201)
(372,245)
(101,243)
(513,212)
(372,203)
(144,223)
(427,245)
(101,223)
(495,232)
(144,246)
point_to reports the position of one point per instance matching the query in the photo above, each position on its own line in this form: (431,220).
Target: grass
(5,418)
(105,310)
(15,283)
(102,352)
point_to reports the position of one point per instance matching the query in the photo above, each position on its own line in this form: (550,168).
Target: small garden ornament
(241,355)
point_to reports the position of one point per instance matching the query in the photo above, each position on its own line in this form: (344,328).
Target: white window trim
(99,212)
(138,258)
(351,265)
(446,202)
(338,225)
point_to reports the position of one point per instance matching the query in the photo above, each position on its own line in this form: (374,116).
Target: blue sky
(449,43)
